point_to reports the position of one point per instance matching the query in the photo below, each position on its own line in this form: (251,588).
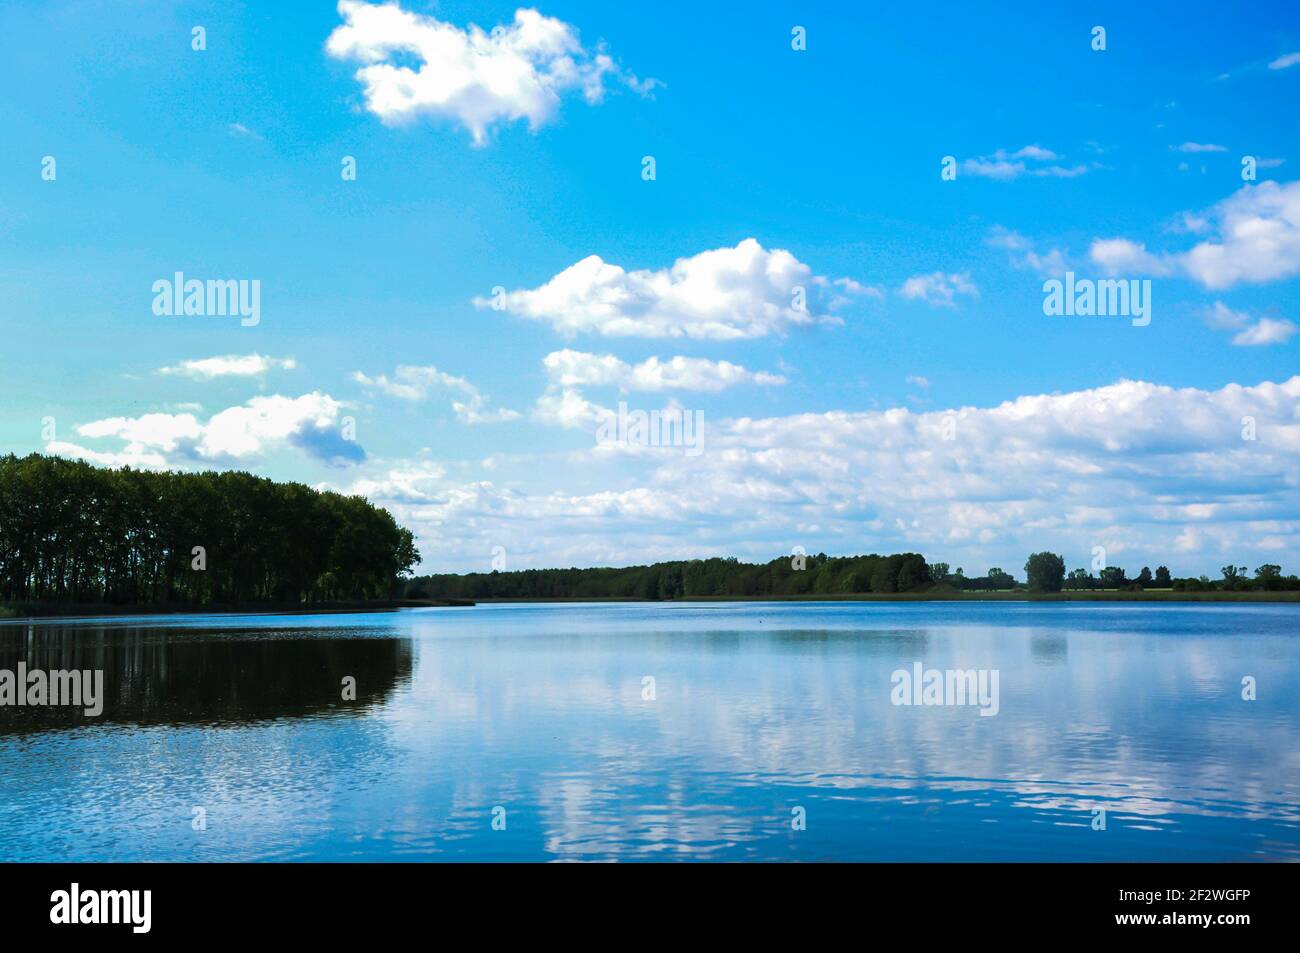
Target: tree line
(75,533)
(810,576)
(798,575)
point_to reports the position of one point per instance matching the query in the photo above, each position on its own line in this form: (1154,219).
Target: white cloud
(1023,254)
(1263,332)
(723,294)
(938,288)
(468,76)
(1266,331)
(566,407)
(1285,62)
(1121,256)
(1258,238)
(241,434)
(419,383)
(231,365)
(1255,238)
(569,368)
(1035,152)
(1198,147)
(563,404)
(1222,317)
(137,457)
(1004,166)
(1134,466)
(917,380)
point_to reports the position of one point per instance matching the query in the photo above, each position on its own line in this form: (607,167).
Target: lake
(673,731)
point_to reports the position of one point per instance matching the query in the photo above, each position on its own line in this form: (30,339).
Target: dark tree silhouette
(74,533)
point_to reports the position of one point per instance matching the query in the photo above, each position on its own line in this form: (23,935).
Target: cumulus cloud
(236,435)
(1265,331)
(1121,256)
(939,289)
(419,383)
(724,294)
(230,365)
(1258,238)
(1004,166)
(474,78)
(1254,237)
(563,406)
(569,368)
(1133,466)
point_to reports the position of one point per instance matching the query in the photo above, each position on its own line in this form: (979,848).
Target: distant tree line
(806,575)
(798,575)
(74,533)
(1267,578)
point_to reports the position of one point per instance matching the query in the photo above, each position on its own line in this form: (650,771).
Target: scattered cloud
(568,372)
(230,365)
(1220,316)
(1266,331)
(467,76)
(419,383)
(722,295)
(1121,256)
(939,289)
(1004,166)
(1133,465)
(565,407)
(1198,147)
(1285,62)
(1254,238)
(1257,333)
(570,368)
(1024,255)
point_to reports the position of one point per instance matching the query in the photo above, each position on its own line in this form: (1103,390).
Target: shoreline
(29,612)
(26,611)
(1101,595)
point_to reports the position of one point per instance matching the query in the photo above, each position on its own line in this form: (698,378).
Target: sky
(818,239)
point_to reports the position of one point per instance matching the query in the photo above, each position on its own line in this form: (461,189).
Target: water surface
(544,719)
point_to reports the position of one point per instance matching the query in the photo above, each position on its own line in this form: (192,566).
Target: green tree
(1113,577)
(1045,572)
(1269,577)
(1000,580)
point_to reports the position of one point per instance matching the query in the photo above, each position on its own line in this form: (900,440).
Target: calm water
(537,715)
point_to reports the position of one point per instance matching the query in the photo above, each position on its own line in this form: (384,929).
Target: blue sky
(507,159)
